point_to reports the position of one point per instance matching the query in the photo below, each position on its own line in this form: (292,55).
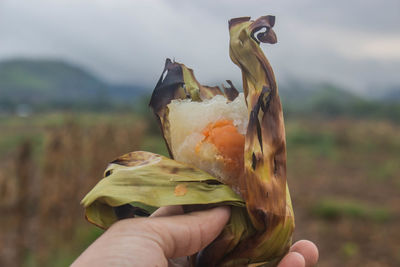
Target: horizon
(147,89)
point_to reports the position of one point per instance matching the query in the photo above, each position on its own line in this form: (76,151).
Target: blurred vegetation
(350,249)
(328,101)
(335,208)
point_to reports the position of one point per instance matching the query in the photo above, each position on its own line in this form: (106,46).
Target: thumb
(187,234)
(151,241)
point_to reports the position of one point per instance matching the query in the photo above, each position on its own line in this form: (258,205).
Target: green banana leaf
(150,181)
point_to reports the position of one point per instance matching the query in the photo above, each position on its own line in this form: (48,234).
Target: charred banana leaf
(264,185)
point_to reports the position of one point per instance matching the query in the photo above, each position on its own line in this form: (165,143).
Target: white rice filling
(187,121)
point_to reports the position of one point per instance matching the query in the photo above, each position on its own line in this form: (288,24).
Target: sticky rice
(210,135)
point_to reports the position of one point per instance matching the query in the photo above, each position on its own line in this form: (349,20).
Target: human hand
(169,234)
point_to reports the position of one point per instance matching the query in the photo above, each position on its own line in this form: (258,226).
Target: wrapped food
(226,148)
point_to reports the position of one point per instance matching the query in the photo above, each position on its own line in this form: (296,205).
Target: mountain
(40,85)
(57,83)
(298,96)
(391,94)
(302,99)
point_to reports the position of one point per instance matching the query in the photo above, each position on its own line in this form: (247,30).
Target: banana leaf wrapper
(262,221)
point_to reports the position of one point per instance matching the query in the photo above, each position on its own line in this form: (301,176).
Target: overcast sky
(354,43)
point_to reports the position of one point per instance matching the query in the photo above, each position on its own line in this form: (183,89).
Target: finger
(168,211)
(187,234)
(309,251)
(292,259)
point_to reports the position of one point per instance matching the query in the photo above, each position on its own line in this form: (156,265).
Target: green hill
(33,81)
(52,84)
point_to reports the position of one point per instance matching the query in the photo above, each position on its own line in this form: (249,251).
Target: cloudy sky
(354,43)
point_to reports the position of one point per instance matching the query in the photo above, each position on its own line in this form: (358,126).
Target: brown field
(343,174)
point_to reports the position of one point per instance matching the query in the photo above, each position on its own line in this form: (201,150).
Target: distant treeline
(30,86)
(329,101)
(363,109)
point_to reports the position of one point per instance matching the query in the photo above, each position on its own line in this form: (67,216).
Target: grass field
(343,175)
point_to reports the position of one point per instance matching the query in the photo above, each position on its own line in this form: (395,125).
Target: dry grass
(343,176)
(345,189)
(41,193)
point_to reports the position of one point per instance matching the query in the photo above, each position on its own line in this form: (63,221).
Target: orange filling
(228,141)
